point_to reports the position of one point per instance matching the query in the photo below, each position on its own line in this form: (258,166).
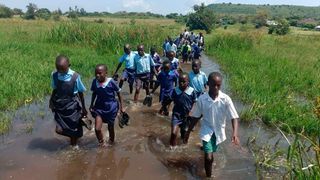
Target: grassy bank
(278,77)
(28,50)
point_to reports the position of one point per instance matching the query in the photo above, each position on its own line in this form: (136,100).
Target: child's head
(171,55)
(196,65)
(166,66)
(214,82)
(140,49)
(101,72)
(152,50)
(62,64)
(127,49)
(183,81)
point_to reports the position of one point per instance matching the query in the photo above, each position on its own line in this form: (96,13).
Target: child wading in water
(183,97)
(128,72)
(167,79)
(104,105)
(215,107)
(64,102)
(198,79)
(143,65)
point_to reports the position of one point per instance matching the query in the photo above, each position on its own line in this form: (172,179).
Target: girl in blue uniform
(167,79)
(183,97)
(104,105)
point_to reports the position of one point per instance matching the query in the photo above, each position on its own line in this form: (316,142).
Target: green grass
(28,51)
(277,75)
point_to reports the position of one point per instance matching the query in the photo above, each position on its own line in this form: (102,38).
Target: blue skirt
(106,110)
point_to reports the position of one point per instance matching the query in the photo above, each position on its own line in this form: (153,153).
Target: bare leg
(174,132)
(136,95)
(111,133)
(98,127)
(208,161)
(121,82)
(73,141)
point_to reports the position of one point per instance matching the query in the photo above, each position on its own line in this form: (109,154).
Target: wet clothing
(167,81)
(106,105)
(198,82)
(215,113)
(183,102)
(66,104)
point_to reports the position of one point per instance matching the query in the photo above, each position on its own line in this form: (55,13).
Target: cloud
(136,5)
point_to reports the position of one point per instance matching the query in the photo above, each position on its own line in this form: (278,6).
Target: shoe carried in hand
(86,122)
(123,119)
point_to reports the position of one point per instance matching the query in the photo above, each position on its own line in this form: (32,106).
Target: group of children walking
(187,91)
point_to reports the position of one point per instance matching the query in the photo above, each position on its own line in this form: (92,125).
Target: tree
(260,19)
(5,12)
(43,13)
(17,11)
(282,27)
(73,13)
(203,18)
(83,12)
(31,11)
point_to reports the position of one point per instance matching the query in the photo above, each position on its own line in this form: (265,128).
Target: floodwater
(32,150)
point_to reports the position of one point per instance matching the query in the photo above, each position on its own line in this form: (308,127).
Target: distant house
(317,28)
(271,23)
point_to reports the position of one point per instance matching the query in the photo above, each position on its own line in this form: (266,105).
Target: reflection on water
(141,150)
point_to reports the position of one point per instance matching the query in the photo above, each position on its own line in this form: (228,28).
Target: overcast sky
(156,6)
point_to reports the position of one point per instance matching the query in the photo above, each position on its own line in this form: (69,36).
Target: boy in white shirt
(215,107)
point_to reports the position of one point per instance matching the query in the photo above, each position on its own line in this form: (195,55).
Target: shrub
(5,12)
(31,11)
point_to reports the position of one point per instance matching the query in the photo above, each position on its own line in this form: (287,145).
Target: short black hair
(214,74)
(196,61)
(184,74)
(165,62)
(61,58)
(103,66)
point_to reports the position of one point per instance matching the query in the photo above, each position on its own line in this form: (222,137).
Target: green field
(28,51)
(278,76)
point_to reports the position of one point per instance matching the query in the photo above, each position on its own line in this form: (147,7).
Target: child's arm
(120,101)
(119,65)
(93,98)
(235,138)
(84,110)
(51,106)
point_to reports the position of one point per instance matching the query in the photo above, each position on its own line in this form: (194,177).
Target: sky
(155,6)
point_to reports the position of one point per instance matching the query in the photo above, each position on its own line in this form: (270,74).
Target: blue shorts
(128,74)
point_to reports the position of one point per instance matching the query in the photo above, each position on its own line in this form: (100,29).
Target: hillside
(285,11)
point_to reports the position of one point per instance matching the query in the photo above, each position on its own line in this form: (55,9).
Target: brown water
(32,150)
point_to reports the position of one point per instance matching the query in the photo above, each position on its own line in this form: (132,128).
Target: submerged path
(32,150)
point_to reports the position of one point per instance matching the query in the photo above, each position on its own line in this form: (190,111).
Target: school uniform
(106,105)
(66,103)
(183,102)
(215,113)
(142,66)
(167,81)
(198,82)
(128,72)
(170,47)
(174,64)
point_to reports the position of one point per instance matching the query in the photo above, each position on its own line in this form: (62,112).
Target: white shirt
(215,112)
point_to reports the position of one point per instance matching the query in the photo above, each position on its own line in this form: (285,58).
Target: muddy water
(33,151)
